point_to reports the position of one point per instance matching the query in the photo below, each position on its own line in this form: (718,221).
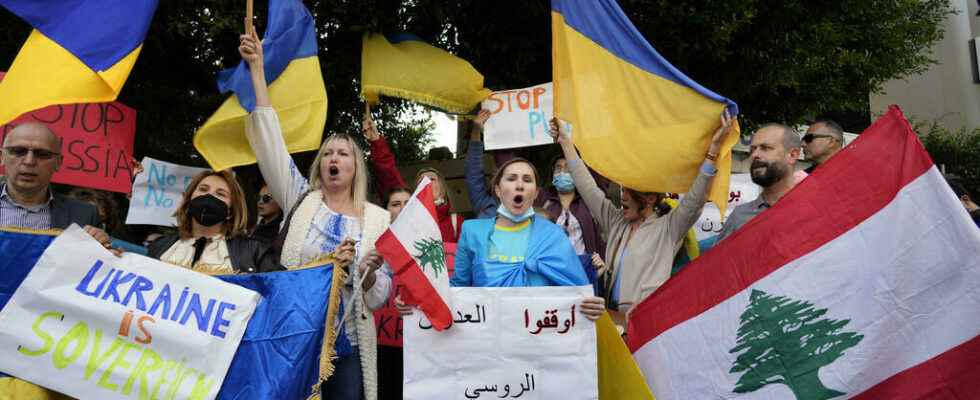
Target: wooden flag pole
(249,27)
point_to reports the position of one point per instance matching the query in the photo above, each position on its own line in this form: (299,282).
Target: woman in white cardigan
(326,211)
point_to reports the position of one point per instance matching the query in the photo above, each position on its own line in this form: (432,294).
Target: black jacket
(267,232)
(247,255)
(66,211)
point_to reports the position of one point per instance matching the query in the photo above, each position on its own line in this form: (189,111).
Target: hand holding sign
(520,117)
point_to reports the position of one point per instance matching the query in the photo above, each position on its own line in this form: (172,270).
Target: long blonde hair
(359,191)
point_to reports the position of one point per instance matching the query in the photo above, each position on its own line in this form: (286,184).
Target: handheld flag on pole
(295,87)
(413,247)
(78,52)
(859,283)
(407,67)
(636,119)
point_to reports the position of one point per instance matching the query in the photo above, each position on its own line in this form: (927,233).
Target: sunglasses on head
(811,137)
(265,198)
(21,152)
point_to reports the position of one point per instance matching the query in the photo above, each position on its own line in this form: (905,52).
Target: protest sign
(157,192)
(527,342)
(520,117)
(95,326)
(742,190)
(96,142)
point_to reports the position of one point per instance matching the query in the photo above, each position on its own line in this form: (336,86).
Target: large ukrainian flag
(636,119)
(79,52)
(295,87)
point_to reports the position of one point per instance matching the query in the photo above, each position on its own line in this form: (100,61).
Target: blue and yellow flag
(78,52)
(406,67)
(21,250)
(295,87)
(636,118)
(288,345)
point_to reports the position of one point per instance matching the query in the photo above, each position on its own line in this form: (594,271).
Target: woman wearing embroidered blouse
(211,224)
(326,211)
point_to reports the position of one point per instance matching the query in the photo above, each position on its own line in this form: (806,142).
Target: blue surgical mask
(563,182)
(503,211)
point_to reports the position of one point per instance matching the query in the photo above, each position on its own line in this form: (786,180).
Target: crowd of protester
(529,229)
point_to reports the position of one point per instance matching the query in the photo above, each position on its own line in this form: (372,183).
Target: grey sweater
(651,250)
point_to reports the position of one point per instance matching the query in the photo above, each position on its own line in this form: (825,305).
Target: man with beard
(774,150)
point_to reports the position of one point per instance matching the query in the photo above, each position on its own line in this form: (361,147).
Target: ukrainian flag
(406,67)
(78,52)
(636,119)
(295,87)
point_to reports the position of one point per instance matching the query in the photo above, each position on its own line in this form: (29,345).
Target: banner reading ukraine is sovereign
(95,326)
(860,283)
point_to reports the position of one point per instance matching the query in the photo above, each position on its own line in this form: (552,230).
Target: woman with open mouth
(640,245)
(516,248)
(327,213)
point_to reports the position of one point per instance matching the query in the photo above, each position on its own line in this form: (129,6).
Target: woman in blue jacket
(515,248)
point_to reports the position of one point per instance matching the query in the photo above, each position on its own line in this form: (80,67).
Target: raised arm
(605,213)
(264,132)
(476,184)
(382,159)
(689,209)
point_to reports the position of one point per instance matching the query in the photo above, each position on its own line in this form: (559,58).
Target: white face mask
(503,211)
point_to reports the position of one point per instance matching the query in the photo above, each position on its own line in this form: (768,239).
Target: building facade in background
(949,91)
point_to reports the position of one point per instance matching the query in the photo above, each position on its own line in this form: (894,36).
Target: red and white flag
(862,282)
(414,250)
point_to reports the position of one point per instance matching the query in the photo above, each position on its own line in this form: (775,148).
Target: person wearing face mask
(641,244)
(328,214)
(211,224)
(562,201)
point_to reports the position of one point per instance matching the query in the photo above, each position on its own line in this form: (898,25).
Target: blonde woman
(210,234)
(325,212)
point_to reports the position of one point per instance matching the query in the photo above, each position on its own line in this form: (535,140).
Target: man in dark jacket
(31,155)
(270,217)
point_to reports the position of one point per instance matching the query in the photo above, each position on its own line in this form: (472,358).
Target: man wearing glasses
(824,139)
(31,155)
(270,217)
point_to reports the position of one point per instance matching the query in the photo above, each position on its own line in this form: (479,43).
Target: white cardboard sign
(513,343)
(157,192)
(95,326)
(519,118)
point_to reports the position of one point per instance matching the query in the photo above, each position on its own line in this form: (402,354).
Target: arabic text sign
(742,190)
(95,326)
(520,117)
(526,343)
(157,192)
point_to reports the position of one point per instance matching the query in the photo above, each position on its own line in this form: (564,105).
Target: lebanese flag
(413,248)
(862,282)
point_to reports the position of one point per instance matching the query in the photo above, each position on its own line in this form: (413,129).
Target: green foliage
(783,341)
(785,60)
(957,151)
